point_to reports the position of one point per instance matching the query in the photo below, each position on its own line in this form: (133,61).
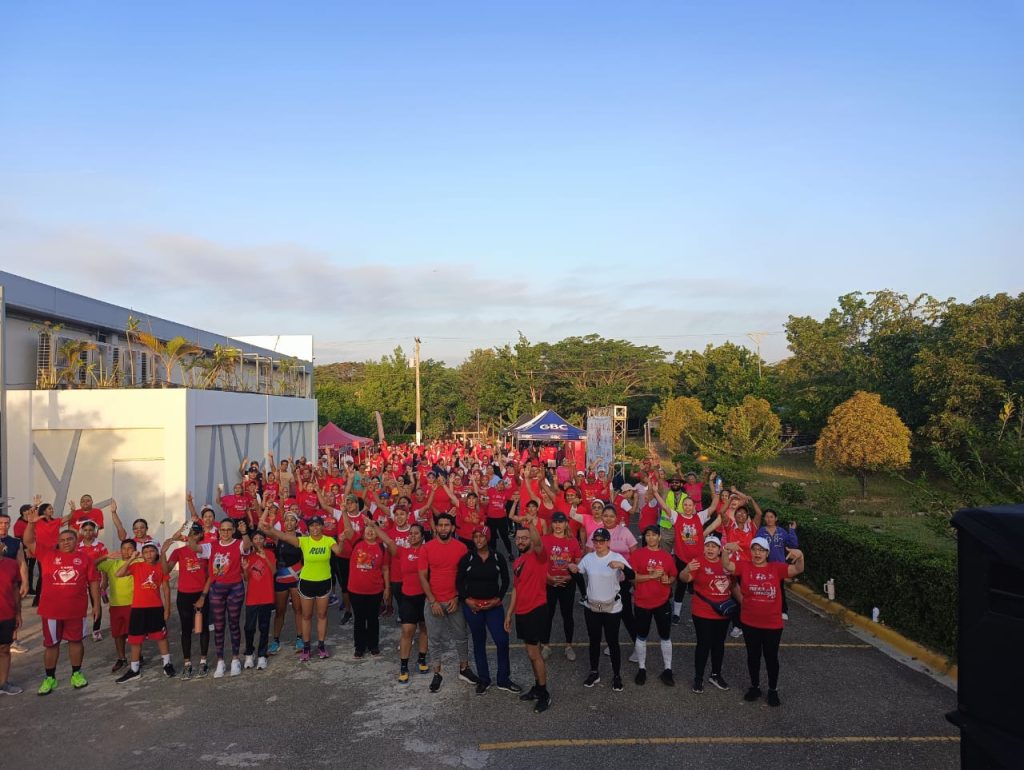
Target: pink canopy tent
(333,437)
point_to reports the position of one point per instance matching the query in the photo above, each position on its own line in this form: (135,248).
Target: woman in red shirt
(761,612)
(226,593)
(712,584)
(655,574)
(406,568)
(369,584)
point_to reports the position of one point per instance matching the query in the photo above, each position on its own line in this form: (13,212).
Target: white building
(88,409)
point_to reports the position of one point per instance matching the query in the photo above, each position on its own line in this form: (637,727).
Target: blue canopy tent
(548,426)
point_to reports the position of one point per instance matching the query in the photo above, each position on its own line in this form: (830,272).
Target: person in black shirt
(482,582)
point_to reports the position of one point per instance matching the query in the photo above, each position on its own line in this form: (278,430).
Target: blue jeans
(480,623)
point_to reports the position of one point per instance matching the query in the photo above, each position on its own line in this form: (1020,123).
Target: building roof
(40,299)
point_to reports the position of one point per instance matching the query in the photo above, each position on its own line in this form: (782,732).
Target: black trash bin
(990,709)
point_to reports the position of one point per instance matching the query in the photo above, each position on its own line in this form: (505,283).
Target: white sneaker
(236,667)
(261,664)
(219,671)
(607,651)
(785,616)
(633,658)
(249,661)
(545,651)
(570,653)
(736,632)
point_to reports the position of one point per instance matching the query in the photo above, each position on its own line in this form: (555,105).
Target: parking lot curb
(933,660)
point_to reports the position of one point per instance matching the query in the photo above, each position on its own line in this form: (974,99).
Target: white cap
(761,541)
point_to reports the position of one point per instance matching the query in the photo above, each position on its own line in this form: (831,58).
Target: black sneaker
(641,677)
(204,669)
(169,670)
(773,698)
(346,617)
(530,694)
(435,683)
(718,681)
(543,703)
(510,686)
(698,686)
(128,676)
(467,675)
(676,620)
(667,679)
(186,671)
(752,694)
(375,651)
(592,678)
(482,687)
(617,683)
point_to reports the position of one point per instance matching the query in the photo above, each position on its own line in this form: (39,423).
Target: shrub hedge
(915,588)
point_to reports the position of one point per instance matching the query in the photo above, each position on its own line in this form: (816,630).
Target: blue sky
(673,173)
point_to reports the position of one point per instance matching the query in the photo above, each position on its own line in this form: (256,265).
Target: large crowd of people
(463,541)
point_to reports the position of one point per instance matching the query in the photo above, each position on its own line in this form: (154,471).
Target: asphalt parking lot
(845,705)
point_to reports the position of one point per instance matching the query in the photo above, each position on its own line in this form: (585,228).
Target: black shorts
(339,567)
(7,631)
(410,608)
(280,588)
(533,626)
(144,621)
(314,589)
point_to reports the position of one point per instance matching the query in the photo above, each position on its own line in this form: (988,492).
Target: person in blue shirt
(779,541)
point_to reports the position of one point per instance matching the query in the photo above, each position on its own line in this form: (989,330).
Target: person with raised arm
(192,558)
(225,591)
(369,584)
(151,608)
(529,606)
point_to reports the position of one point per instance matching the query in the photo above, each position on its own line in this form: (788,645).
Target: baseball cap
(481,529)
(626,487)
(316,520)
(196,529)
(761,541)
(714,539)
(559,516)
(601,534)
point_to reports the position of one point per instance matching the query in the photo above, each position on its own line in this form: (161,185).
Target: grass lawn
(888,507)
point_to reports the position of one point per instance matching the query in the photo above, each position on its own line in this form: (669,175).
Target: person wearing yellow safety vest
(674,500)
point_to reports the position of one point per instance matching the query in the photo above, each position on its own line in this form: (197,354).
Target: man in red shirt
(10,615)
(86,512)
(530,606)
(446,625)
(69,579)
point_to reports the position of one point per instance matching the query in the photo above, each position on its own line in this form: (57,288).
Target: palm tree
(222,362)
(171,353)
(130,329)
(73,352)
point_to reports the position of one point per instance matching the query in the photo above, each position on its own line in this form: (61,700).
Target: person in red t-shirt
(410,601)
(761,612)
(446,625)
(95,550)
(712,584)
(369,584)
(10,615)
(259,567)
(235,505)
(85,512)
(151,607)
(655,575)
(529,604)
(69,581)
(563,549)
(193,563)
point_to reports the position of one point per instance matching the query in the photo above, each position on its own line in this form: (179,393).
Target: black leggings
(499,529)
(662,617)
(33,588)
(710,640)
(561,598)
(681,588)
(626,593)
(257,614)
(763,641)
(608,623)
(366,616)
(187,616)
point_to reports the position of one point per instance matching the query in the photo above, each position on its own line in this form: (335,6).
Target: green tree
(681,418)
(863,436)
(722,375)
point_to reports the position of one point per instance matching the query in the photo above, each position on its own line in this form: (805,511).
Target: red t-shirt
(409,562)
(271,492)
(713,582)
(10,579)
(467,519)
(689,538)
(530,579)
(235,506)
(95,551)
(47,534)
(366,572)
(66,578)
(78,516)
(193,568)
(358,523)
(651,594)
(226,562)
(622,516)
(649,515)
(696,493)
(733,534)
(259,578)
(496,503)
(562,551)
(148,578)
(442,561)
(308,502)
(762,593)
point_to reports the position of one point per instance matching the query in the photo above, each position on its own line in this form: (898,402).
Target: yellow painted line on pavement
(727,740)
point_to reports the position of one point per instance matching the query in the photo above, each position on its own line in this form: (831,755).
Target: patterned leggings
(227,596)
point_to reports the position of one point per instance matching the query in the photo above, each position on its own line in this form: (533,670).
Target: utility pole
(419,430)
(757,337)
